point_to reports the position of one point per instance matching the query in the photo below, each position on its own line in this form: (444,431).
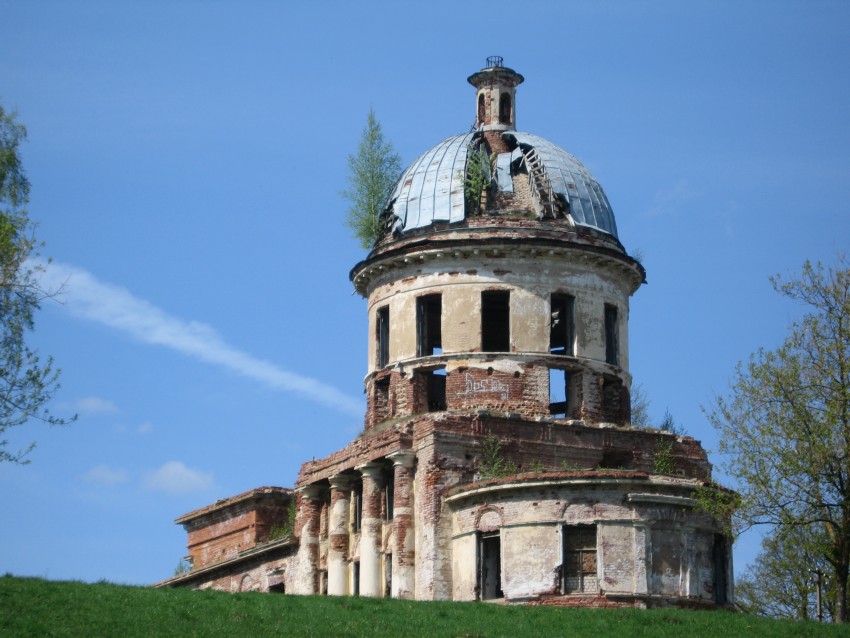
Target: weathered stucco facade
(497,460)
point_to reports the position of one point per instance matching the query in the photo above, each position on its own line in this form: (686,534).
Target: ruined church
(498,460)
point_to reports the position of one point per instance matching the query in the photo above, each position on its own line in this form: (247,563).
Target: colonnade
(399,558)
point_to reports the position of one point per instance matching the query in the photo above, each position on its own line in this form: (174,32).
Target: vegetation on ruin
(477,176)
(785,430)
(27,383)
(183,567)
(493,464)
(373,172)
(287,528)
(35,607)
(664,461)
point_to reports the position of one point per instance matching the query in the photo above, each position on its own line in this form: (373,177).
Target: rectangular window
(496,321)
(720,555)
(437,390)
(489,566)
(579,566)
(389,493)
(612,346)
(429,311)
(562,327)
(382,336)
(358,507)
(388,575)
(558,393)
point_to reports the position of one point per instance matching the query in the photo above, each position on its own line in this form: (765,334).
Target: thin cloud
(670,200)
(103,475)
(85,296)
(176,478)
(94,405)
(146,427)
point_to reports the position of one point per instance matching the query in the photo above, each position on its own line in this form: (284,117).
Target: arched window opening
(505,108)
(481,108)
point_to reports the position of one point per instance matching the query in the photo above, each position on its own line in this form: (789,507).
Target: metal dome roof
(432,187)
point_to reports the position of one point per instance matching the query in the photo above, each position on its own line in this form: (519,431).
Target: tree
(640,407)
(373,172)
(26,384)
(785,425)
(782,583)
(478,175)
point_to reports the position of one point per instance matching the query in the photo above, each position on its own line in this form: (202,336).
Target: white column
(338,531)
(370,531)
(309,515)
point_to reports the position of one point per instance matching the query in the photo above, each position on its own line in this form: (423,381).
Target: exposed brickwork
(223,530)
(495,142)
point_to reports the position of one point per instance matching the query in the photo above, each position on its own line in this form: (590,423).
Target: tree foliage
(373,171)
(26,382)
(782,583)
(785,424)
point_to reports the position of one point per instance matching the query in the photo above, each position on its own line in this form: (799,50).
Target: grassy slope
(35,607)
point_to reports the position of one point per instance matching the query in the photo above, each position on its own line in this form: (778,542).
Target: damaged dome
(555,184)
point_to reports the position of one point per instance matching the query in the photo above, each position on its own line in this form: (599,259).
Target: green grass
(35,607)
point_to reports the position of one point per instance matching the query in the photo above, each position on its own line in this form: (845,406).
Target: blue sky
(186,160)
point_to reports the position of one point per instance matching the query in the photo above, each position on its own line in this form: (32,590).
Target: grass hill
(36,607)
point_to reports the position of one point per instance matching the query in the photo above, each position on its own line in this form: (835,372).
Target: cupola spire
(495,96)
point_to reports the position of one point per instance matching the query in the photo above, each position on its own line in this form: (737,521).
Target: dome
(432,188)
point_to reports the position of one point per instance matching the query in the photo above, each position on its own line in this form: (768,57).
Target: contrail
(83,295)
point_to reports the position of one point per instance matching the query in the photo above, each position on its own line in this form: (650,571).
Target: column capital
(403,458)
(342,482)
(372,469)
(313,492)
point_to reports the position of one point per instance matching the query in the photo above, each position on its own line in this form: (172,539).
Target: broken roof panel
(431,189)
(588,204)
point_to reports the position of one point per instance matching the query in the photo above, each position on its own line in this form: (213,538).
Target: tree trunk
(841,594)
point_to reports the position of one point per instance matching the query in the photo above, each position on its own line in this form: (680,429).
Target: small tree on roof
(373,171)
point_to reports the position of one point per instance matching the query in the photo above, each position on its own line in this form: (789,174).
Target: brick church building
(498,460)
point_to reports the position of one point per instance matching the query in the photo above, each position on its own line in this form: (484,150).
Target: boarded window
(579,566)
(562,327)
(429,310)
(668,561)
(381,399)
(382,336)
(489,566)
(496,321)
(612,346)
